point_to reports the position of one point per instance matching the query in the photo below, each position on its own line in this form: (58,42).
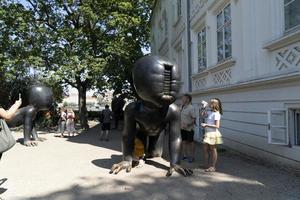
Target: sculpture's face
(156,80)
(41,97)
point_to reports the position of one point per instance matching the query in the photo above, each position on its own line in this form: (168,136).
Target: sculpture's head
(156,80)
(41,97)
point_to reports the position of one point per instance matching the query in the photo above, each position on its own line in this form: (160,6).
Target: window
(278,127)
(224,34)
(178,8)
(295,123)
(166,25)
(202,50)
(291,13)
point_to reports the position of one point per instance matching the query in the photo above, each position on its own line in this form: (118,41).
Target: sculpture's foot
(41,139)
(30,143)
(180,170)
(116,168)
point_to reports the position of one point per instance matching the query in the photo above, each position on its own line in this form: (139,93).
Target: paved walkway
(77,169)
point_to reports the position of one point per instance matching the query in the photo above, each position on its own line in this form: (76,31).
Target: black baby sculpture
(157,82)
(40,98)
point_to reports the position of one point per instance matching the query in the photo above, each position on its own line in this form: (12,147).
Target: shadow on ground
(92,137)
(107,163)
(201,186)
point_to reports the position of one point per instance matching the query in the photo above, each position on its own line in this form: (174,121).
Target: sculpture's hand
(30,143)
(180,170)
(116,168)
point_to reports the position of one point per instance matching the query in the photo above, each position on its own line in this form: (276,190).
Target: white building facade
(247,53)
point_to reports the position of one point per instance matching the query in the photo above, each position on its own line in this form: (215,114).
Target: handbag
(7,140)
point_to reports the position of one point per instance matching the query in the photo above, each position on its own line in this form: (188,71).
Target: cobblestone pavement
(76,168)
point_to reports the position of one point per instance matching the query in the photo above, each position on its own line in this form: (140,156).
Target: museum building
(247,53)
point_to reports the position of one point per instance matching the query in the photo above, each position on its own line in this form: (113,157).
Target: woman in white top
(212,136)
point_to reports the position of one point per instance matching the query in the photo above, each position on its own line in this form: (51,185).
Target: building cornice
(222,65)
(283,41)
(279,79)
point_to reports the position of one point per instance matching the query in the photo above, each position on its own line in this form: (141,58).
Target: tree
(85,44)
(17,52)
(90,43)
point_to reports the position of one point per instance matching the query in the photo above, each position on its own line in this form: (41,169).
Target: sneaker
(190,160)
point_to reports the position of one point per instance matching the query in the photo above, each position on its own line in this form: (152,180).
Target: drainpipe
(189,46)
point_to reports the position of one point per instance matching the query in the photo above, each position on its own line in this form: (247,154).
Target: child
(212,136)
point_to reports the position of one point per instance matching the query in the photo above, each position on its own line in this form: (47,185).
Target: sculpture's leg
(156,143)
(35,135)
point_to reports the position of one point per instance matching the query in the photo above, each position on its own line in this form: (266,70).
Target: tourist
(70,122)
(188,119)
(8,114)
(59,120)
(63,120)
(212,136)
(106,121)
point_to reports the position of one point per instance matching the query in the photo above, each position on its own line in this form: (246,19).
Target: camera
(203,104)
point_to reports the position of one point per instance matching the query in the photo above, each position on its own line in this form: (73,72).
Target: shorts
(187,135)
(212,136)
(105,126)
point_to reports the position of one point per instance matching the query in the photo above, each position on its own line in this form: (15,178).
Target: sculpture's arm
(129,133)
(175,142)
(28,122)
(7,115)
(175,136)
(128,137)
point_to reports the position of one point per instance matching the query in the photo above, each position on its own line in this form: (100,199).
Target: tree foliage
(83,43)
(19,55)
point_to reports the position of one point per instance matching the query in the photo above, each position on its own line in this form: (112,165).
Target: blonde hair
(216,105)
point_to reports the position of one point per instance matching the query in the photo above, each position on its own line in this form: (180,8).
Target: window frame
(202,43)
(179,8)
(296,27)
(165,21)
(221,29)
(294,126)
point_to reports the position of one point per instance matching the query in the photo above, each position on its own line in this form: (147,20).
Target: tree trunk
(82,107)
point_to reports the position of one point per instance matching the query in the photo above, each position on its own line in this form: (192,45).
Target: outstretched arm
(7,115)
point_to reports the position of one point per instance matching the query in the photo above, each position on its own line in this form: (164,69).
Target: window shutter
(278,127)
